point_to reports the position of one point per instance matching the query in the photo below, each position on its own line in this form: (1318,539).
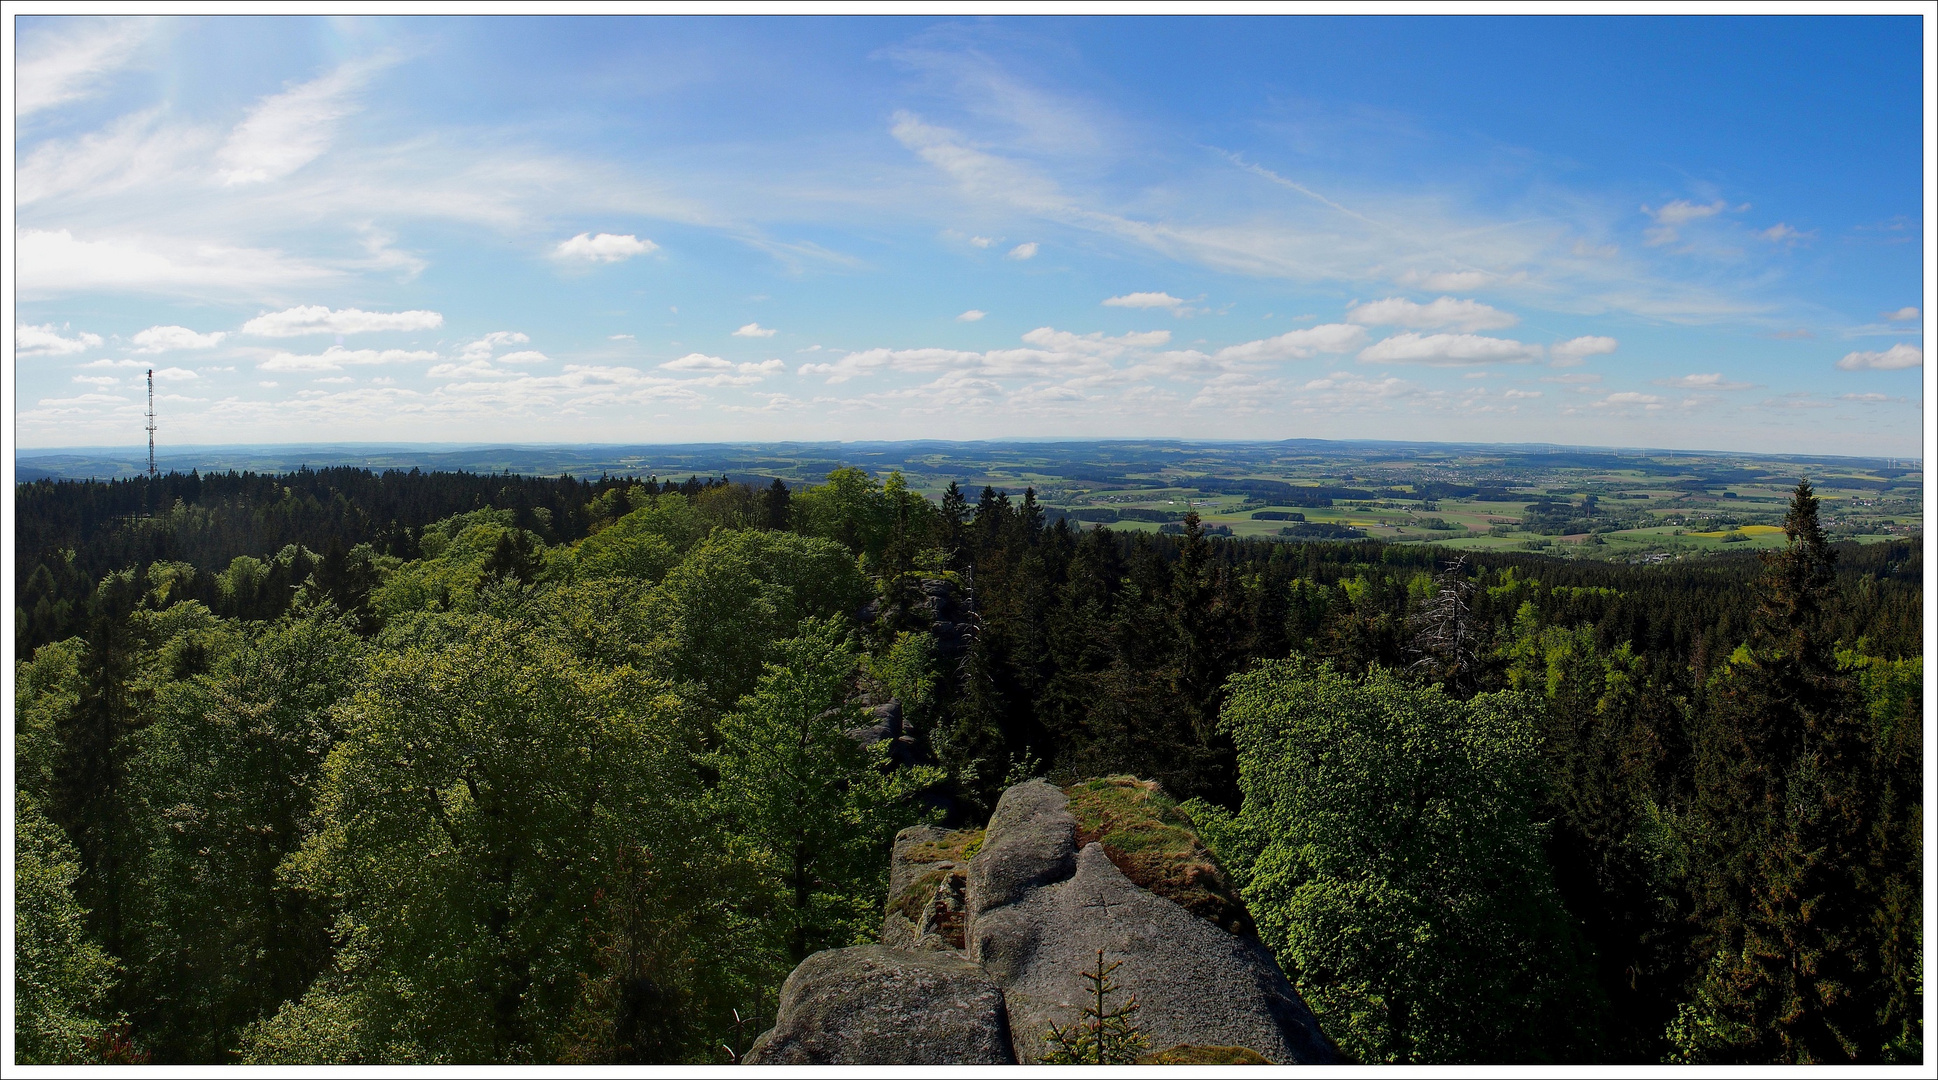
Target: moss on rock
(1150,838)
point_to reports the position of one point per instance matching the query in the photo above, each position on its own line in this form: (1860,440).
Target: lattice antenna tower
(151,423)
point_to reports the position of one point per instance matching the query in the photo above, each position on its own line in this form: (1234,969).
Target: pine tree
(778,503)
(1785,809)
(1106,1034)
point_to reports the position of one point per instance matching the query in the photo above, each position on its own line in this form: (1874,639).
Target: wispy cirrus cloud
(287,131)
(63,63)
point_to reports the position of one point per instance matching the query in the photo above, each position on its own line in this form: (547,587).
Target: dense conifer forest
(449,767)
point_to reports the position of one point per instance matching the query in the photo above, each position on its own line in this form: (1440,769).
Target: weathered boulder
(870,1005)
(1194,982)
(1031,841)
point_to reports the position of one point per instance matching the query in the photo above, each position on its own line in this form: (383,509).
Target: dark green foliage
(346,767)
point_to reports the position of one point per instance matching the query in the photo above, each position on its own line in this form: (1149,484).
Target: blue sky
(1638,232)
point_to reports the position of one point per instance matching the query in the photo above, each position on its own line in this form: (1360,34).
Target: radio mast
(151,423)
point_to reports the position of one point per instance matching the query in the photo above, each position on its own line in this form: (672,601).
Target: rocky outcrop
(872,1005)
(994,928)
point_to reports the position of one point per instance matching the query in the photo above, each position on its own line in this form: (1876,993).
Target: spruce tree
(1784,814)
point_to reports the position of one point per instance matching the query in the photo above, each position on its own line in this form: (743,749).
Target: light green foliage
(46,688)
(636,546)
(61,978)
(1394,865)
(908,672)
(723,608)
(815,808)
(456,553)
(865,516)
(467,821)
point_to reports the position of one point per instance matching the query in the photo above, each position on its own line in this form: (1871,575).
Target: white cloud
(603,248)
(619,337)
(56,67)
(698,362)
(158,339)
(56,262)
(1675,214)
(1296,345)
(174,374)
(981,241)
(1576,351)
(1458,280)
(1863,397)
(1446,313)
(1023,251)
(765,367)
(1628,398)
(972,315)
(1904,314)
(47,341)
(1781,233)
(1901,355)
(1711,381)
(336,357)
(287,131)
(525,356)
(1145,300)
(754,330)
(1511,393)
(298,321)
(1448,350)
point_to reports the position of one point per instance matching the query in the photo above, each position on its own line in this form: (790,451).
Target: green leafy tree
(815,807)
(1393,863)
(225,777)
(468,820)
(61,976)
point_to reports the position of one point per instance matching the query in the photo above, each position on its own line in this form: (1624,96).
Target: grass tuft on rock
(1150,838)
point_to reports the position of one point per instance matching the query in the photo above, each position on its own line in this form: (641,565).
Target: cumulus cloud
(59,66)
(158,339)
(1513,393)
(972,315)
(754,330)
(1023,251)
(299,321)
(1864,397)
(1712,381)
(1671,216)
(47,341)
(765,367)
(981,241)
(1296,345)
(1903,314)
(174,374)
(1448,350)
(1145,300)
(287,131)
(698,362)
(603,248)
(336,357)
(1783,234)
(1629,398)
(1575,351)
(1901,355)
(1446,313)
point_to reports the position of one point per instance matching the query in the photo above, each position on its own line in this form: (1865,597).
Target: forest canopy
(337,766)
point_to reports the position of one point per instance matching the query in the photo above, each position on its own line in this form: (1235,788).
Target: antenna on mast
(151,423)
